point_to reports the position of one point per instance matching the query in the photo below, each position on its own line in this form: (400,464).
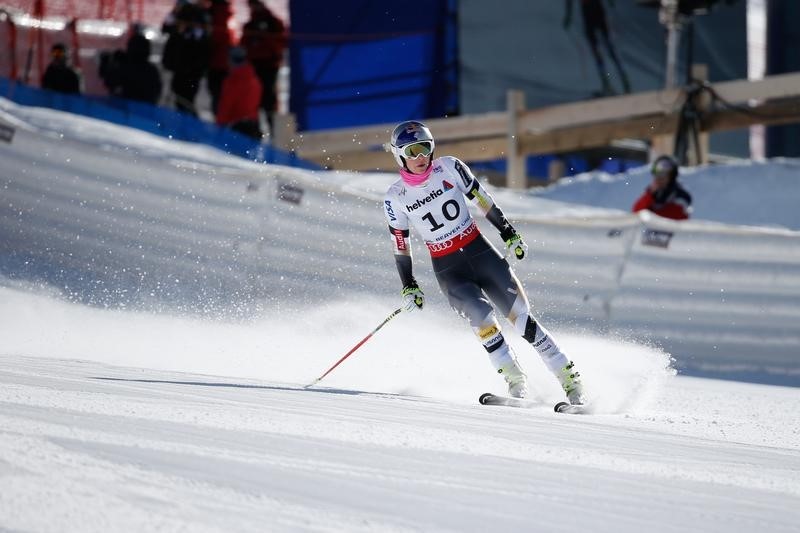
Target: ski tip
(575,409)
(484,397)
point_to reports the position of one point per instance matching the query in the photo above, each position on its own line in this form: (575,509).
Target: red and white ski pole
(356,347)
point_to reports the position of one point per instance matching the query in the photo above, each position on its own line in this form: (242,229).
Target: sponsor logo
(440,246)
(657,238)
(447,185)
(487,332)
(390,210)
(413,129)
(465,175)
(290,193)
(422,201)
(541,341)
(437,169)
(399,240)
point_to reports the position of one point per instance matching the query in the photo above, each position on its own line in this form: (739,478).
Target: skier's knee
(530,330)
(490,336)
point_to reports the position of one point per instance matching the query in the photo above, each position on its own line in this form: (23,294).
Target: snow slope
(122,420)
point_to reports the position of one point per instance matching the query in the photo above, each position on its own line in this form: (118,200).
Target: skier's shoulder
(447,162)
(396,188)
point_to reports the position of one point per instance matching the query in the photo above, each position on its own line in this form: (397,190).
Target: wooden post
(516,177)
(285,134)
(556,170)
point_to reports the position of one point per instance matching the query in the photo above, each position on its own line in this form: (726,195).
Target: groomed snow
(113,420)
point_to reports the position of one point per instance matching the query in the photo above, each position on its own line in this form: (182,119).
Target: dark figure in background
(130,74)
(186,53)
(220,14)
(59,76)
(595,25)
(665,196)
(264,38)
(240,98)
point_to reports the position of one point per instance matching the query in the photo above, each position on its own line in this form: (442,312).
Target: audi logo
(439,246)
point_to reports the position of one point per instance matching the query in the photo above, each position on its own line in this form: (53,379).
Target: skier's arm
(402,257)
(481,198)
(399,229)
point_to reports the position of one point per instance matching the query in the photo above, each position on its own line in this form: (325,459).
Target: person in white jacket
(430,196)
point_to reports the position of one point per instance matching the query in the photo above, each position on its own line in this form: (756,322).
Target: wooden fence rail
(520,132)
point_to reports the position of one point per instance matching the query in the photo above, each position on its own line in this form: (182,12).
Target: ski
(487,398)
(564,407)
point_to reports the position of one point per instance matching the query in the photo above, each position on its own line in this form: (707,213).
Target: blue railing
(157,120)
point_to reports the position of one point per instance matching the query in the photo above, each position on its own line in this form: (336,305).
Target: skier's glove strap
(516,246)
(413,298)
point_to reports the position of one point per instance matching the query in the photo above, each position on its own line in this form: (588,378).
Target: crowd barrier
(153,119)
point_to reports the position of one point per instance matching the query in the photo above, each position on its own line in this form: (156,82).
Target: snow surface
(114,420)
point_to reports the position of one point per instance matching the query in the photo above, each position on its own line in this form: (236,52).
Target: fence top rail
(486,125)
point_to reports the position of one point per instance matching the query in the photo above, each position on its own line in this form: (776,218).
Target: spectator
(264,38)
(240,97)
(59,76)
(186,54)
(170,24)
(141,79)
(222,39)
(130,74)
(665,196)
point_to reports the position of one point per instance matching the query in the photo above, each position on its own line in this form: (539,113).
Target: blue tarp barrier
(157,120)
(359,62)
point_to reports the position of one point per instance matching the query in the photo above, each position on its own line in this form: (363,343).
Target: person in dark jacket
(240,98)
(665,196)
(59,76)
(186,54)
(130,74)
(141,79)
(264,38)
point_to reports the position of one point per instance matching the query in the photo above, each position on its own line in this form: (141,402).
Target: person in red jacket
(222,39)
(264,37)
(665,196)
(240,97)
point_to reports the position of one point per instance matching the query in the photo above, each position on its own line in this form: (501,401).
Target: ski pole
(356,347)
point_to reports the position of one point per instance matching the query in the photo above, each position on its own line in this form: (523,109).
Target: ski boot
(516,379)
(571,383)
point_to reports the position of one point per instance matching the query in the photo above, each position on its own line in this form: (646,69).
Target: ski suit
(469,270)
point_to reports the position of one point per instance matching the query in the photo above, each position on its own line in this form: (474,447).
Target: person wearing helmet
(430,197)
(665,196)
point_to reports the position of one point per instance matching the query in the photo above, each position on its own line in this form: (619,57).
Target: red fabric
(440,249)
(241,96)
(671,210)
(222,36)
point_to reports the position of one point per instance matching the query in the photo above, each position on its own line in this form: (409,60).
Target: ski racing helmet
(408,134)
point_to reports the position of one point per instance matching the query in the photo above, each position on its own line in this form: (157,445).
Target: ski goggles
(413,151)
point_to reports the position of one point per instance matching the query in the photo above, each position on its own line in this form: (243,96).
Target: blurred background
(350,64)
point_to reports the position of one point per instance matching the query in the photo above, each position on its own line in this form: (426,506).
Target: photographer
(665,196)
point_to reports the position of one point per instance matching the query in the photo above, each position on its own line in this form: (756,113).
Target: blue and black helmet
(407,134)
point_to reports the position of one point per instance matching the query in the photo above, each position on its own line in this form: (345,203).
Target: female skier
(430,197)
